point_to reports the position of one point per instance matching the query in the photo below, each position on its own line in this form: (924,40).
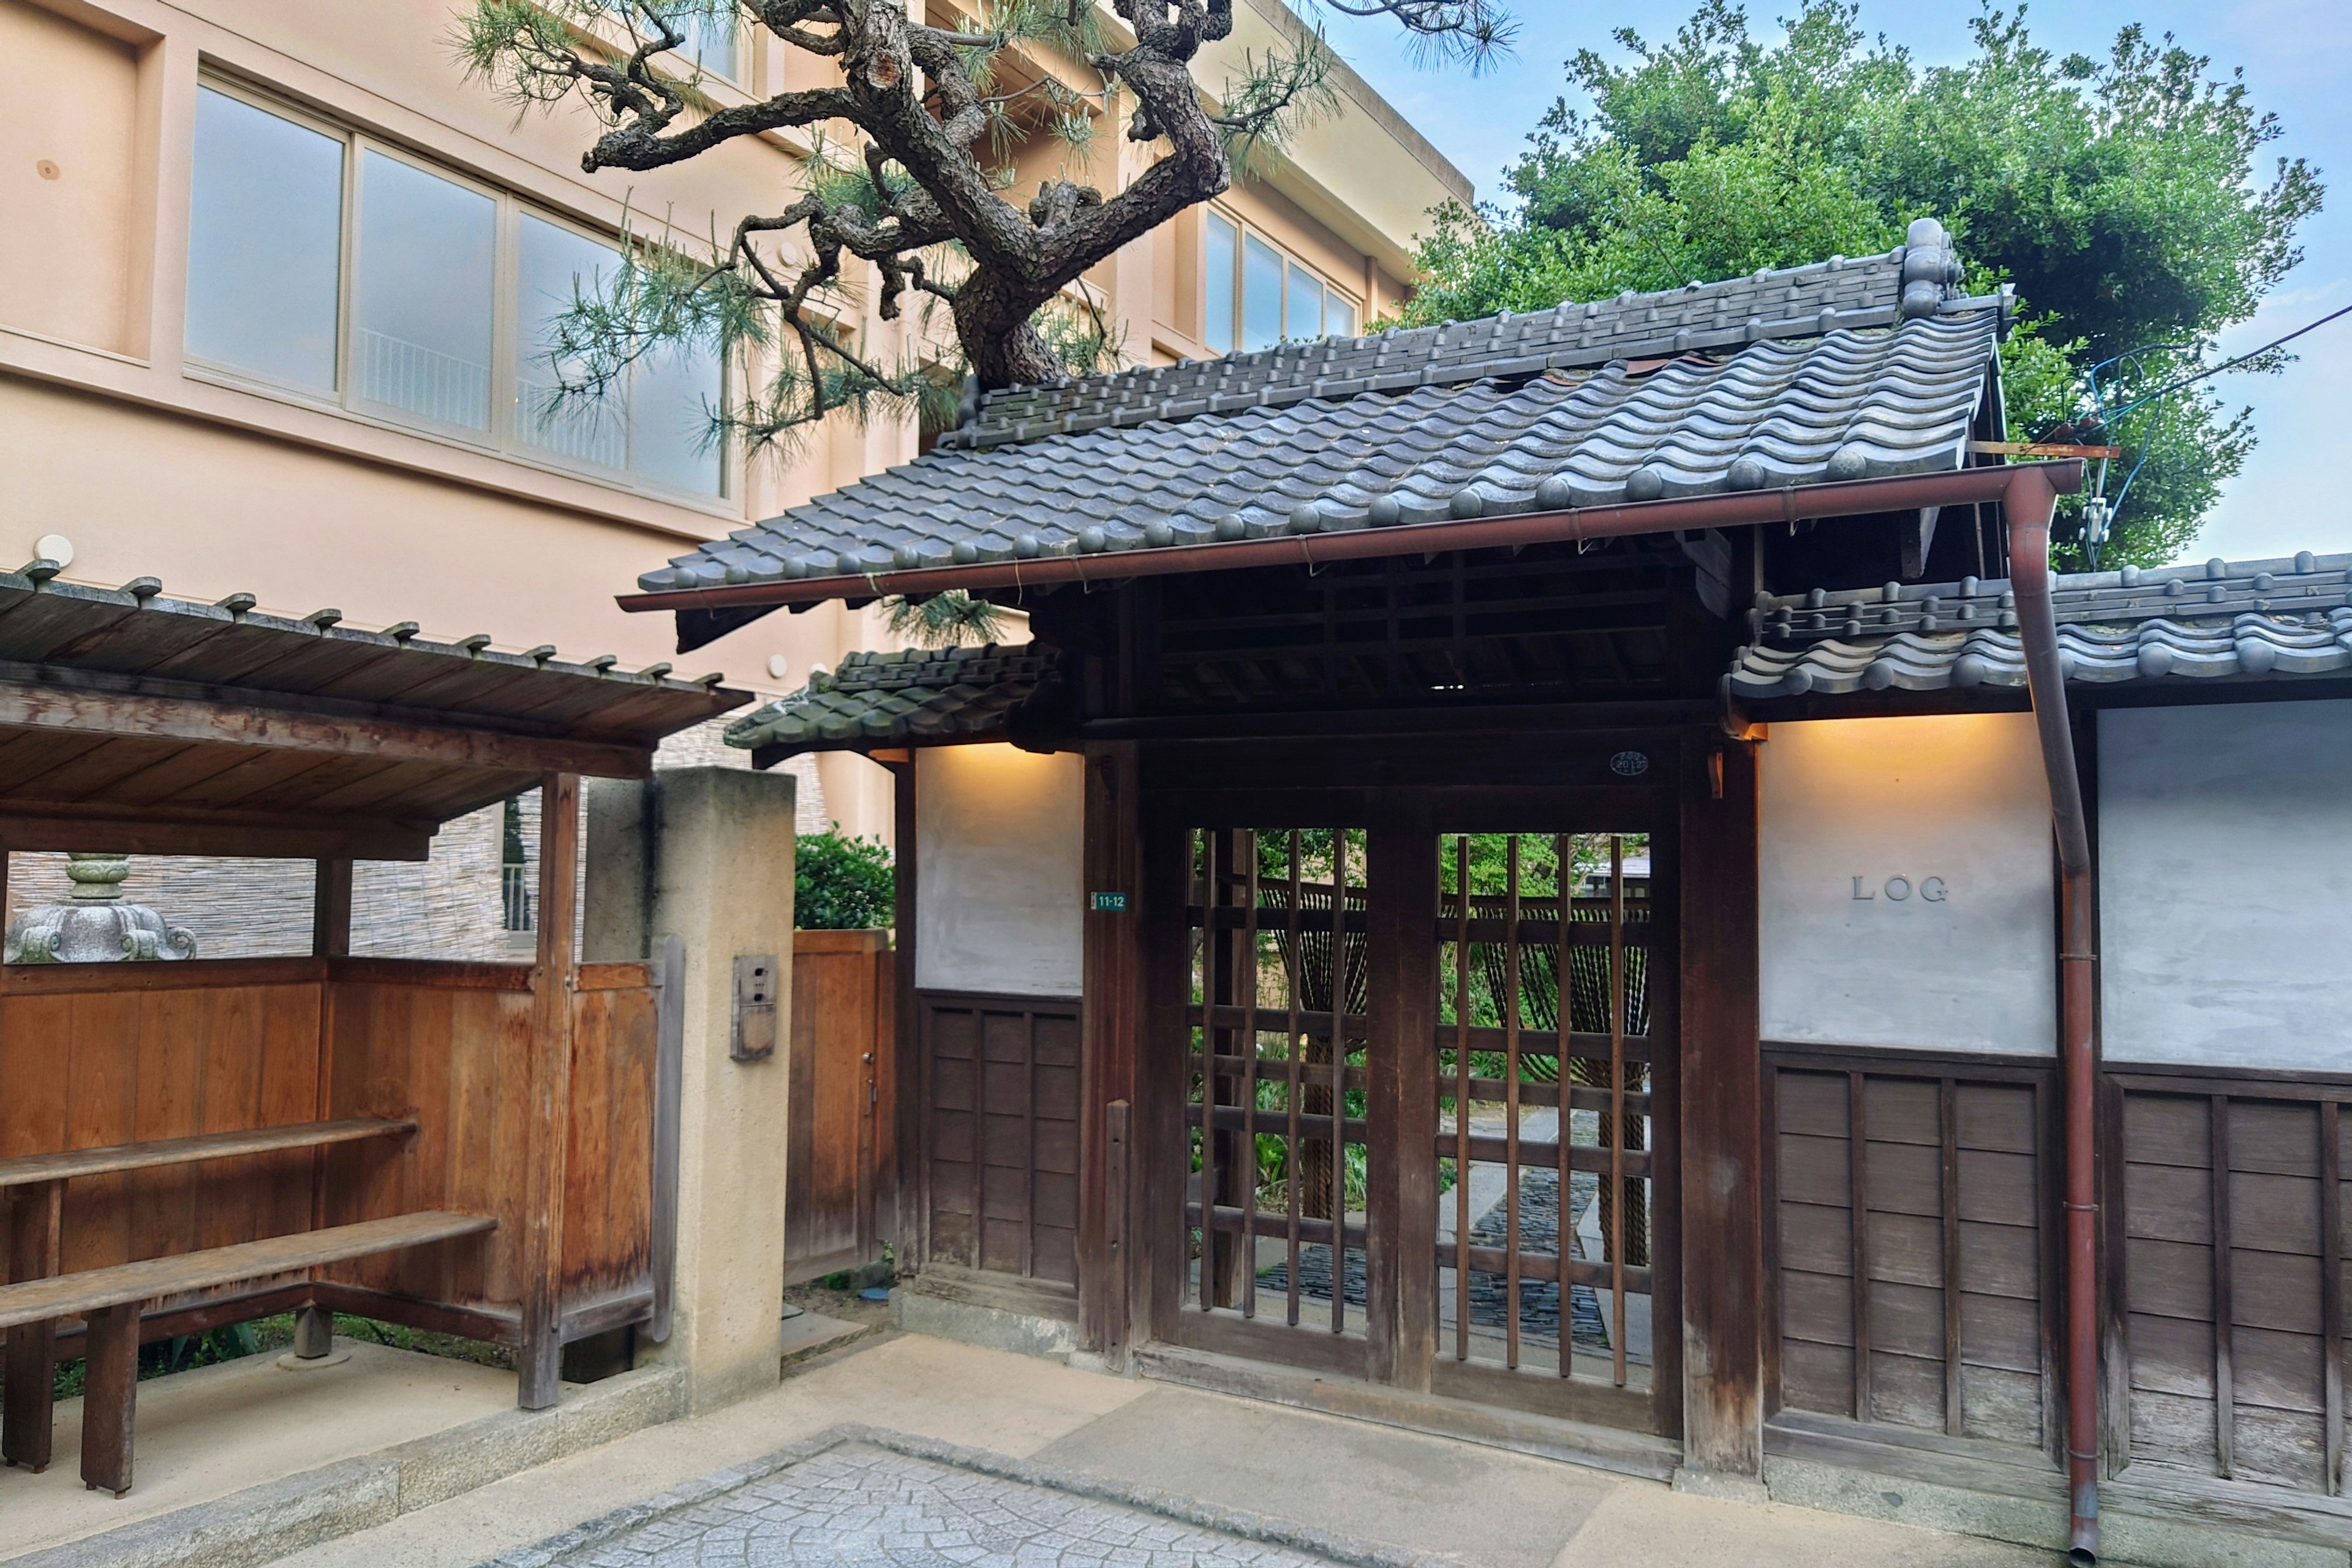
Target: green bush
(841,883)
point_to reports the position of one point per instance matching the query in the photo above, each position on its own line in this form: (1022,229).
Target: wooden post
(1158,1167)
(25,1424)
(1722,1154)
(108,1402)
(331,910)
(909,1199)
(553,980)
(1401,1202)
(1109,1019)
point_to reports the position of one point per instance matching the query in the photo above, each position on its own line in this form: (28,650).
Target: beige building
(270,304)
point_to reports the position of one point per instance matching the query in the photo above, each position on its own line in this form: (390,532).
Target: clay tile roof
(921,695)
(2222,621)
(1838,370)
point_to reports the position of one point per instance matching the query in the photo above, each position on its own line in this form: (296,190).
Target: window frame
(1243,232)
(503,439)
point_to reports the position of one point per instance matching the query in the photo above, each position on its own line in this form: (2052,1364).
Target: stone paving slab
(865,1498)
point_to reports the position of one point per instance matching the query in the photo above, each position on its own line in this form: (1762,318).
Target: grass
(268,1336)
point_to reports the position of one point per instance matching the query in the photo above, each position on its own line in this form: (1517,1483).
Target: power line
(2172,387)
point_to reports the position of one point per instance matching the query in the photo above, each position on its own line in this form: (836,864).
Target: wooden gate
(1421,1069)
(839,1143)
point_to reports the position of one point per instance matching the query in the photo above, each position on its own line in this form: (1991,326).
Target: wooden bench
(36,1184)
(108,1300)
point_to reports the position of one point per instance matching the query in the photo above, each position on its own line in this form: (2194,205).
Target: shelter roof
(921,695)
(134,722)
(1838,371)
(2216,625)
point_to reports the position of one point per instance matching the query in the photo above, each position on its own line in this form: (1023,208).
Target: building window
(440,272)
(1254,295)
(712,40)
(265,244)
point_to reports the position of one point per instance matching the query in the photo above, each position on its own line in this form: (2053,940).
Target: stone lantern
(94,925)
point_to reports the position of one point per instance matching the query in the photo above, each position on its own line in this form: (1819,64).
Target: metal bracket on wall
(753,1035)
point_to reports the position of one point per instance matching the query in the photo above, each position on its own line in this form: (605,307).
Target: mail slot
(753,1038)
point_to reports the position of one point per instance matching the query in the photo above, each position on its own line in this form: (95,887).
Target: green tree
(843,883)
(2124,199)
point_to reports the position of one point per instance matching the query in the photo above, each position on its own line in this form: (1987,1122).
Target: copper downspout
(2029,503)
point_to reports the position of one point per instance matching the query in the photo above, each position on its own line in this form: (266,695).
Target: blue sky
(2297,56)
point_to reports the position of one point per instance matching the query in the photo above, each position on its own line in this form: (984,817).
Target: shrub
(841,883)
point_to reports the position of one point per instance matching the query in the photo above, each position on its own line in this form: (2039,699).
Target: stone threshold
(263,1523)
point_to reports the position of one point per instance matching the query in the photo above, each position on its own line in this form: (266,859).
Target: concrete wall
(2225,884)
(1907,896)
(722,882)
(999,897)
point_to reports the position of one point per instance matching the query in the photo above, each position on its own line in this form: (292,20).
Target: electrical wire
(2171,387)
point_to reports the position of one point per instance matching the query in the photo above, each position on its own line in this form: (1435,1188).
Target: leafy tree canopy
(2127,200)
(843,883)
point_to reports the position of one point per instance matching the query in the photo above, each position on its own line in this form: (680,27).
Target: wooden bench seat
(29,1170)
(108,1300)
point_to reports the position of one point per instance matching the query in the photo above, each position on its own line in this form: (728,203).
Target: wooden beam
(1721,1085)
(913,1227)
(49,826)
(331,909)
(553,977)
(1110,1022)
(1402,1305)
(33,1215)
(39,697)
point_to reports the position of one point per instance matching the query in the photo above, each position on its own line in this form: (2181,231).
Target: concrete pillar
(718,863)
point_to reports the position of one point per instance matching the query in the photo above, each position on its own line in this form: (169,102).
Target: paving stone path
(858,1506)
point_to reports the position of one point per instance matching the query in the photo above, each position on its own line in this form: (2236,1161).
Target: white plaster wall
(2225,884)
(1961,799)
(998,878)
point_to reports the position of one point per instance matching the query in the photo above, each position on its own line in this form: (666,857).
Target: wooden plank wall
(1000,1133)
(91,1056)
(1931,1315)
(608,1173)
(2228,1192)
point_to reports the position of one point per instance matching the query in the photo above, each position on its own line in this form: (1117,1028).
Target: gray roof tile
(1841,370)
(2252,620)
(920,695)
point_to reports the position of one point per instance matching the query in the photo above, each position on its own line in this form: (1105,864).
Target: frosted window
(422,311)
(1217,294)
(1261,294)
(264,243)
(1339,316)
(674,392)
(1303,319)
(555,267)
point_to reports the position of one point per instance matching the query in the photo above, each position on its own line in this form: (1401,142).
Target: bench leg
(314,1332)
(109,1396)
(27,1405)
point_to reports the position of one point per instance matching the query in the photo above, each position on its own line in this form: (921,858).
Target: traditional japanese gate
(1379,1028)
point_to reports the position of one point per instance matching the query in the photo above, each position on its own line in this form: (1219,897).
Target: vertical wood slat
(1029,1147)
(1858,1166)
(1562,858)
(1948,1118)
(1511,1113)
(1617,1204)
(1338,1079)
(1461,1105)
(1248,975)
(553,981)
(2224,1393)
(2331,1289)
(1293,1052)
(1213,899)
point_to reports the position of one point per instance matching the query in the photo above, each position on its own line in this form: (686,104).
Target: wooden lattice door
(1338,1214)
(1555,984)
(1277,1131)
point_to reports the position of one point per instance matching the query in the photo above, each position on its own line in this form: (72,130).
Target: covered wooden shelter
(478,1149)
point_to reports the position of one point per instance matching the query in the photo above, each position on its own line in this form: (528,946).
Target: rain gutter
(2031,501)
(1731,508)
